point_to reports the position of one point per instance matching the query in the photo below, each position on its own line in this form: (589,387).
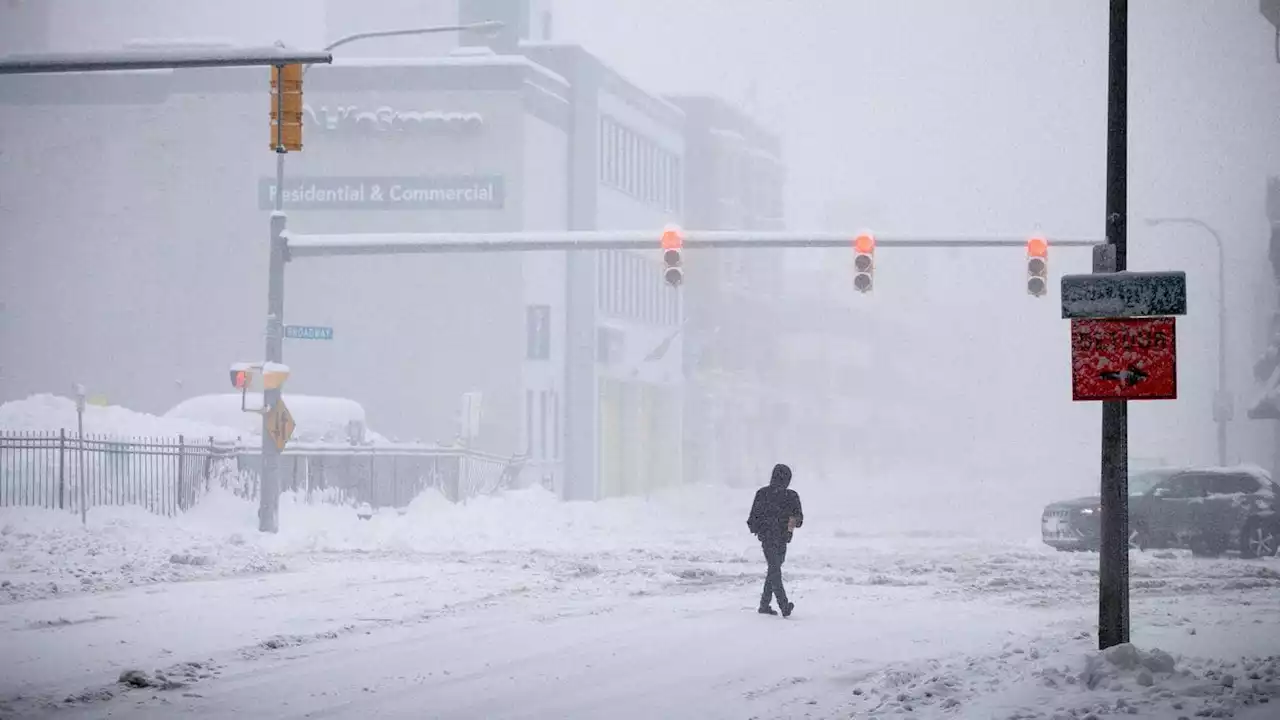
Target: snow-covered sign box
(1124,295)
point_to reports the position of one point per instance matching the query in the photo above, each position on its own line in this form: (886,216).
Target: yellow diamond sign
(280,424)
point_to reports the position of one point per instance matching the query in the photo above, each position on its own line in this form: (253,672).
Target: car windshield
(1141,483)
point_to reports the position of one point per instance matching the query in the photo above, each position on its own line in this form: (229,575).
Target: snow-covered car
(1206,510)
(319,419)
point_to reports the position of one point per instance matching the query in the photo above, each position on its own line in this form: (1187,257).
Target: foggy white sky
(986,115)
(989,115)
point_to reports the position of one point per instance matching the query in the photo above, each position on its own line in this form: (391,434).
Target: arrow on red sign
(1130,376)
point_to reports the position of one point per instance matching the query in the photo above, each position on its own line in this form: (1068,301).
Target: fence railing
(383,476)
(64,471)
(170,475)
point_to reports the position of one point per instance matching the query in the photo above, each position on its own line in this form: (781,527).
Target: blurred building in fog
(137,211)
(1266,406)
(735,403)
(138,207)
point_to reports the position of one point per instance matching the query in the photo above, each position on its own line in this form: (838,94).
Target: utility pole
(1113,570)
(269,492)
(287,135)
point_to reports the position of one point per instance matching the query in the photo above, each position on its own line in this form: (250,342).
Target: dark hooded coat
(774,506)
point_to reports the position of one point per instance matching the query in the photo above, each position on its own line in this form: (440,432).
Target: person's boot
(766,610)
(787,607)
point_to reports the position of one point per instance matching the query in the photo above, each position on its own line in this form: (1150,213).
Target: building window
(555,425)
(678,176)
(602,275)
(538,332)
(637,166)
(542,426)
(528,422)
(619,281)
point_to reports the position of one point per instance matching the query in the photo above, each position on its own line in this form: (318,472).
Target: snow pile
(50,413)
(531,519)
(1038,681)
(45,553)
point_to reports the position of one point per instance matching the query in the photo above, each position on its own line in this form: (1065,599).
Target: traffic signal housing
(864,262)
(672,249)
(286,108)
(1037,266)
(258,376)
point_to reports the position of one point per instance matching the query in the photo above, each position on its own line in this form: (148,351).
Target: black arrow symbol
(1132,376)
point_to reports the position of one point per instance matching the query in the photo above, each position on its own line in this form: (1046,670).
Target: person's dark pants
(775,553)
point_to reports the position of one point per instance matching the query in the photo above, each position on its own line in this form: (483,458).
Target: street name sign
(1124,359)
(308,332)
(1124,295)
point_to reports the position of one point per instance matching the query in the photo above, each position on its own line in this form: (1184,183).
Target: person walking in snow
(775,514)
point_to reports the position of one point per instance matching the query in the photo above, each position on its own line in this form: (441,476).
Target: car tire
(1260,538)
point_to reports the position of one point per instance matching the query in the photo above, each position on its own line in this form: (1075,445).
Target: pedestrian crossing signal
(1037,266)
(864,262)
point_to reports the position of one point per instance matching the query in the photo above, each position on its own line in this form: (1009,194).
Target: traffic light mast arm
(321,245)
(155,59)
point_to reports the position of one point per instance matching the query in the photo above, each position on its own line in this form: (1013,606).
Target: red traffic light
(672,238)
(864,244)
(238,379)
(1037,247)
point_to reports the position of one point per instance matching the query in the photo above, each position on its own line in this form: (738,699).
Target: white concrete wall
(545,207)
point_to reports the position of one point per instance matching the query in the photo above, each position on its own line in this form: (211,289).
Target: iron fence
(61,470)
(169,475)
(382,476)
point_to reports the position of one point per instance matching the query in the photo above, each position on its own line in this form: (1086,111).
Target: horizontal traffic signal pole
(156,59)
(303,245)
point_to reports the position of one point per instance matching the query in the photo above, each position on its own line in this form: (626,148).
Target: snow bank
(50,413)
(45,553)
(1036,680)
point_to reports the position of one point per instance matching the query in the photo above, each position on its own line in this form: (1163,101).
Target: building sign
(425,192)
(353,120)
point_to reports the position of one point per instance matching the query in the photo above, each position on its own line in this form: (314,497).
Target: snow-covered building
(136,219)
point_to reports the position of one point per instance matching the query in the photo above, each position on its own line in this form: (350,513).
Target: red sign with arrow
(1124,359)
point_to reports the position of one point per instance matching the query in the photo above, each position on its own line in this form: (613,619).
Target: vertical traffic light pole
(269,491)
(1113,570)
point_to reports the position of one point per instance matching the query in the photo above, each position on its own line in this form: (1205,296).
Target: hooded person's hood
(781,476)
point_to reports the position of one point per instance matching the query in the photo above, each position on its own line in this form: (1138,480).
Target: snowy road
(625,635)
(520,609)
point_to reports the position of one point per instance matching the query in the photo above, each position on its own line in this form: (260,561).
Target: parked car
(1209,511)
